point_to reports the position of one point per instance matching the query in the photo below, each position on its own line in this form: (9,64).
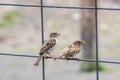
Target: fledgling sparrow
(71,50)
(48,46)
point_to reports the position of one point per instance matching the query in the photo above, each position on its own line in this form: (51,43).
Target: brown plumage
(47,47)
(71,50)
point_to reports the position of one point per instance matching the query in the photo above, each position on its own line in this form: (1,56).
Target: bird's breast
(51,49)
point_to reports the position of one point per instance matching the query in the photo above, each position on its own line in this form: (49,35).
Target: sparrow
(71,50)
(48,47)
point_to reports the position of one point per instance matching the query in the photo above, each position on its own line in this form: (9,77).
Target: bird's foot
(77,59)
(54,57)
(67,59)
(46,57)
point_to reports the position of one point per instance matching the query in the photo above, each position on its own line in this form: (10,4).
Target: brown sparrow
(71,50)
(47,47)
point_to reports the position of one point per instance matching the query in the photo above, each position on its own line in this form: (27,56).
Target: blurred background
(20,33)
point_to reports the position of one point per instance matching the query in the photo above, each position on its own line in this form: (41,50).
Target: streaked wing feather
(49,44)
(72,51)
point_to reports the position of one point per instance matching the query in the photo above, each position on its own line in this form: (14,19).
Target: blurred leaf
(9,18)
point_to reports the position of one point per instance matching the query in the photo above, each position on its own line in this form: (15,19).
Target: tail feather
(38,60)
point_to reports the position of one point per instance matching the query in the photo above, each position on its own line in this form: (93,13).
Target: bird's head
(79,42)
(54,34)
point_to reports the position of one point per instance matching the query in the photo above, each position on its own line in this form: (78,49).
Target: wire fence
(42,6)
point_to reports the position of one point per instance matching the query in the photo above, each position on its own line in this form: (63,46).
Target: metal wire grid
(42,6)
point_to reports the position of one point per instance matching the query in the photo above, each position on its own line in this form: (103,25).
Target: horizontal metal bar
(80,7)
(90,60)
(65,7)
(108,8)
(69,7)
(23,5)
(16,54)
(74,59)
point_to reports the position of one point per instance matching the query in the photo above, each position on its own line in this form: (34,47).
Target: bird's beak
(83,43)
(58,34)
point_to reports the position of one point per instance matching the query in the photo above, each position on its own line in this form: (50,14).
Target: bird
(71,50)
(48,46)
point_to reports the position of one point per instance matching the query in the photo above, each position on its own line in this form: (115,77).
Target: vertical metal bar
(96,31)
(42,33)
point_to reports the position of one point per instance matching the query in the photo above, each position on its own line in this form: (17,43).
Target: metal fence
(42,6)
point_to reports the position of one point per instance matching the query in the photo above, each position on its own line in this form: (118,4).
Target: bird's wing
(66,50)
(72,51)
(48,44)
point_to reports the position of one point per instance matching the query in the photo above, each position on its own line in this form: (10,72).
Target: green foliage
(90,67)
(9,18)
(93,68)
(102,67)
